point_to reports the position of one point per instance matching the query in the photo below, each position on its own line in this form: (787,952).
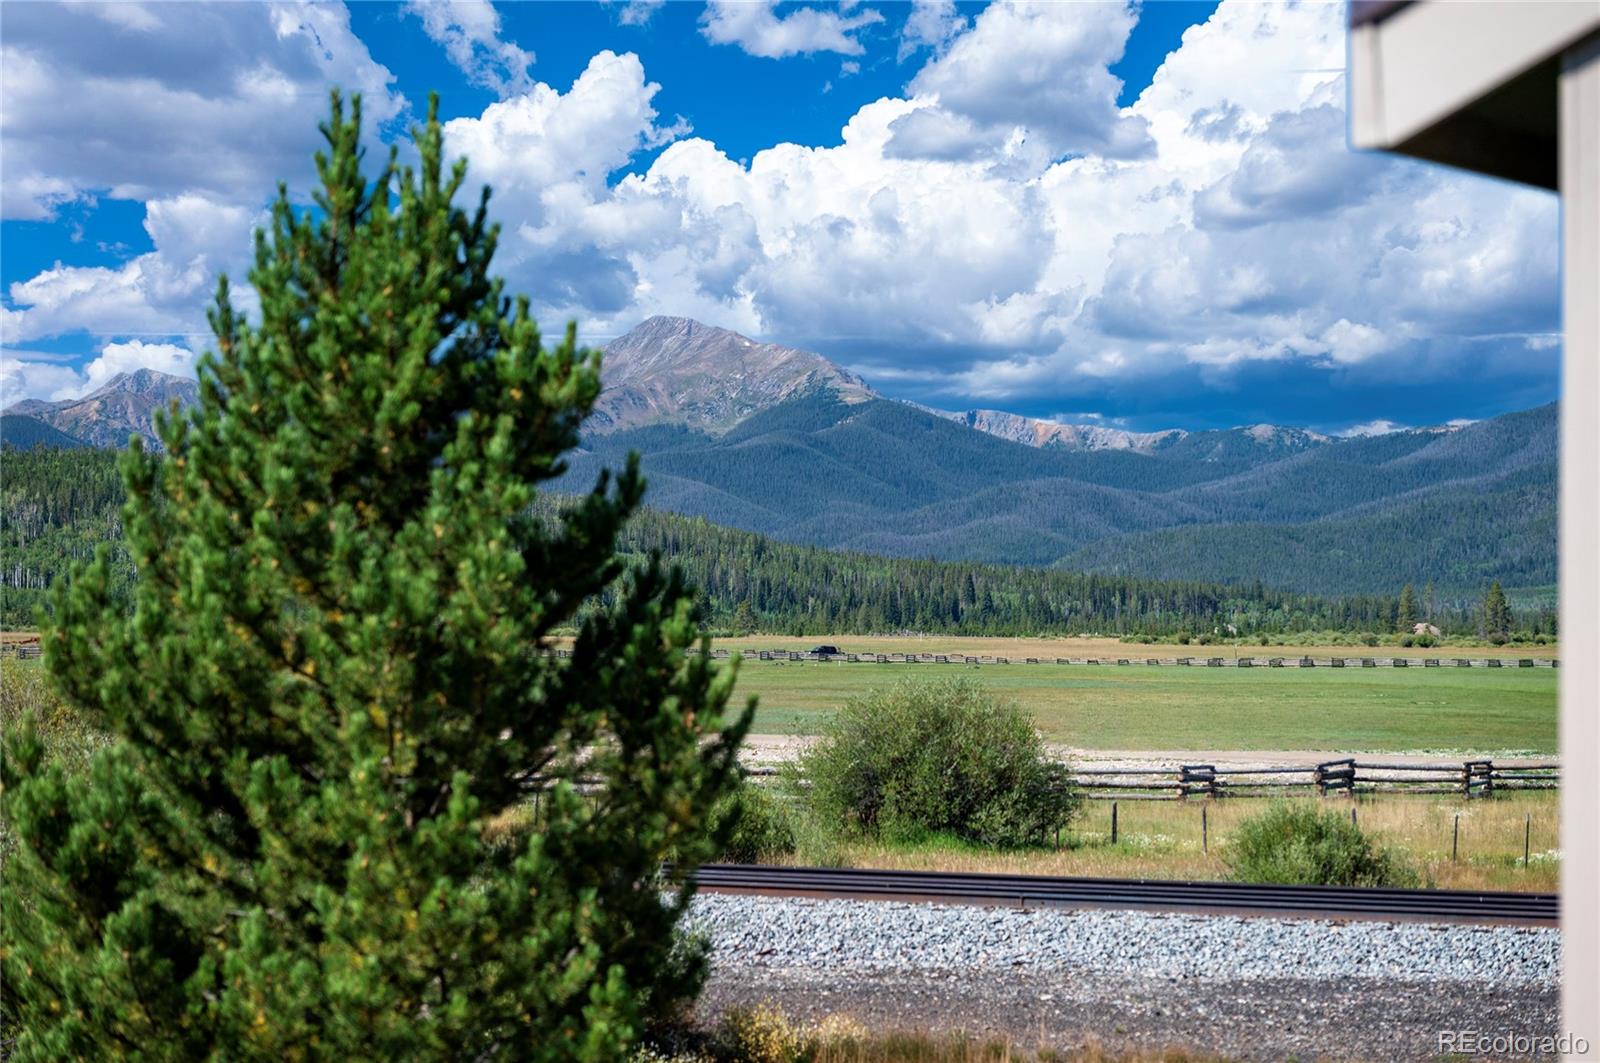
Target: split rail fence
(25,651)
(1345,777)
(1471,779)
(1179,662)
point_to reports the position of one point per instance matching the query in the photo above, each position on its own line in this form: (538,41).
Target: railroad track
(1211,898)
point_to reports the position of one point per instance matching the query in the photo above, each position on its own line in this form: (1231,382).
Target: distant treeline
(749,582)
(56,506)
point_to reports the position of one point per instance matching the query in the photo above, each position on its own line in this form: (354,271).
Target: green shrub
(1183,638)
(945,756)
(759,823)
(1301,845)
(1408,641)
(1369,639)
(818,843)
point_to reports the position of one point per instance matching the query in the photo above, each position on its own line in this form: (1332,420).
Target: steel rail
(1215,898)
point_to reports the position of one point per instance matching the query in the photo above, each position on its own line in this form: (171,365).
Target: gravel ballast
(1245,988)
(876,936)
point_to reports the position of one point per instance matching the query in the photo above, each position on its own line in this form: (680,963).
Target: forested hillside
(1459,507)
(750,582)
(57,505)
(20,430)
(1442,535)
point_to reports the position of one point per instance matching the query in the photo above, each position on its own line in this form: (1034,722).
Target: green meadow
(1170,708)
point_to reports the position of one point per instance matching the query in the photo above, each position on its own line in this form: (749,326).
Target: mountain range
(781,441)
(123,406)
(675,370)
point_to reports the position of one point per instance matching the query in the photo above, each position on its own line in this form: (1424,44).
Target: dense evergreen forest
(1459,508)
(749,582)
(56,506)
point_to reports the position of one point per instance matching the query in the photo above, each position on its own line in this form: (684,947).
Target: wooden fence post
(1113,823)
(1202,775)
(1527,836)
(1478,775)
(1455,838)
(1336,775)
(1205,832)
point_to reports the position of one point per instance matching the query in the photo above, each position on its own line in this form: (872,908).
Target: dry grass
(1162,840)
(1089,646)
(947,1048)
(765,1033)
(25,693)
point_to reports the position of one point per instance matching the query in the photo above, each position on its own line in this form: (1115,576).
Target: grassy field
(1108,648)
(1345,710)
(1477,711)
(1162,840)
(1158,839)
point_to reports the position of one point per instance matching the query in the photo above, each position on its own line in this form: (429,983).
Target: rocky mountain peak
(145,382)
(123,406)
(682,371)
(1036,432)
(1273,435)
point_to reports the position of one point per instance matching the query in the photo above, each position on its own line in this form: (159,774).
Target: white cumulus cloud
(1004,229)
(757,28)
(931,24)
(638,12)
(161,292)
(469,31)
(142,103)
(1039,71)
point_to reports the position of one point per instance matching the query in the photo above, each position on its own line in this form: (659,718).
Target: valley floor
(1481,712)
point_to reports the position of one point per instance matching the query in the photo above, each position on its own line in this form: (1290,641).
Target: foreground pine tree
(309,839)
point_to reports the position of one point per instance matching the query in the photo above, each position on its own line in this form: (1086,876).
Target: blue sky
(1097,212)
